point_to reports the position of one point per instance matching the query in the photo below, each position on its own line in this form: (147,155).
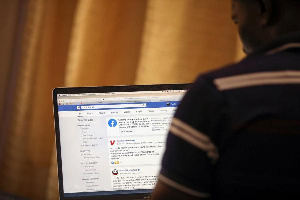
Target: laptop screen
(111,143)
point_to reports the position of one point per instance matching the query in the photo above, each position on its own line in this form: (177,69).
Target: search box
(91,107)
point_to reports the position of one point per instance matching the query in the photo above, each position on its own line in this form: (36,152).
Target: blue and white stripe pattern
(258,79)
(194,137)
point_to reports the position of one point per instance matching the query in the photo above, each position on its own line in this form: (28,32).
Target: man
(236,134)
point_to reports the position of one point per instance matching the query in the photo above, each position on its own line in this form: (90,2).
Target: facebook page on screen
(114,141)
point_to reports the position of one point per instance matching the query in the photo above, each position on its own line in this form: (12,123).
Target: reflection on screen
(114,141)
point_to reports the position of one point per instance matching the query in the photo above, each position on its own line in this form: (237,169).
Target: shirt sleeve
(191,148)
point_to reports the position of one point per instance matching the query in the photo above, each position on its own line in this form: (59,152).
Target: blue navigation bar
(111,106)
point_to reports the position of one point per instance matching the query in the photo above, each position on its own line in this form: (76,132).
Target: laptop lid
(110,140)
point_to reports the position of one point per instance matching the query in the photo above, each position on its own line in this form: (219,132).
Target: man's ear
(268,10)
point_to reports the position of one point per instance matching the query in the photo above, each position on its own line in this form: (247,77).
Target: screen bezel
(103,89)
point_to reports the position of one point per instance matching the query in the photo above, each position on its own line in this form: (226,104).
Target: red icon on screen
(112,142)
(115,172)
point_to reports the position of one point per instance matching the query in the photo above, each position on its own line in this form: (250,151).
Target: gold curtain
(183,38)
(38,65)
(93,42)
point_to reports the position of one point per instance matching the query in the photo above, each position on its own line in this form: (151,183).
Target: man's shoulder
(253,65)
(247,65)
(207,80)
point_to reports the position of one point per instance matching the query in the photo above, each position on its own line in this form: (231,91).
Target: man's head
(261,21)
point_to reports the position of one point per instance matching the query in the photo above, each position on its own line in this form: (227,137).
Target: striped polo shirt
(236,133)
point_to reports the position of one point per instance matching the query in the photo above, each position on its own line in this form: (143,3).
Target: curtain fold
(17,162)
(184,38)
(98,42)
(28,123)
(8,19)
(106,42)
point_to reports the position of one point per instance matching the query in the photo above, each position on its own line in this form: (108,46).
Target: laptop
(110,140)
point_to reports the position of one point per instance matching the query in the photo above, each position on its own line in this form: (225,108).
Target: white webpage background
(123,156)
